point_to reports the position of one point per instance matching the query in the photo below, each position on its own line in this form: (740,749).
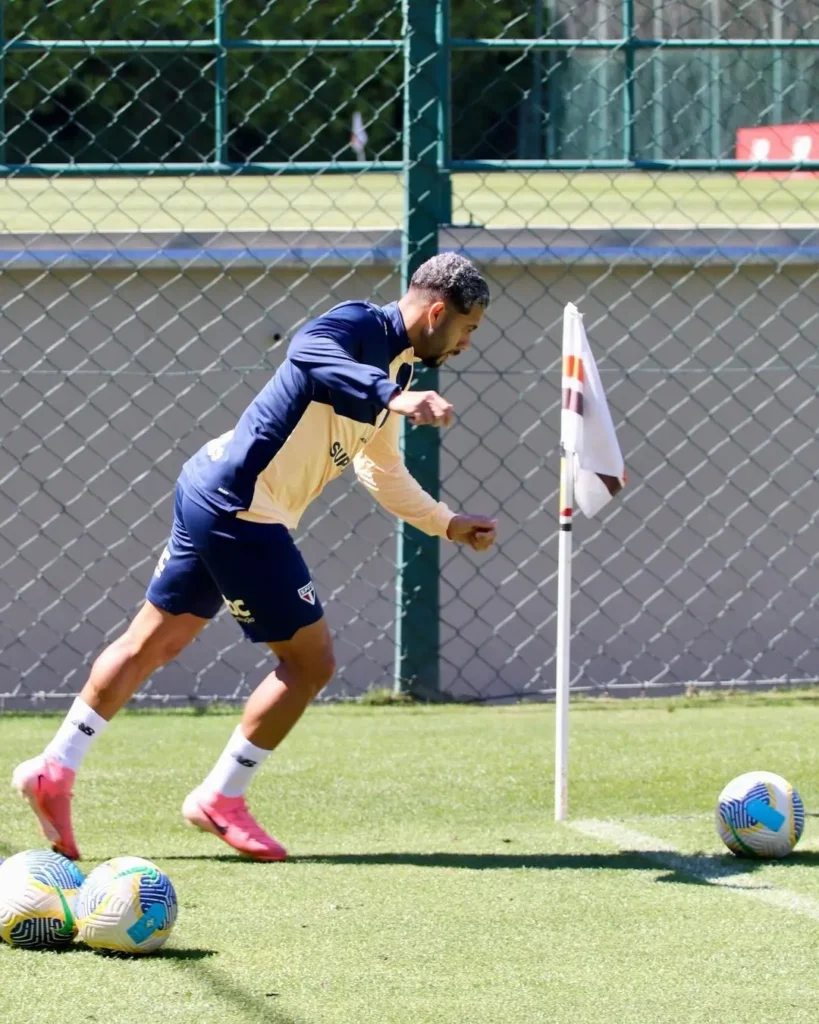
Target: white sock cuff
(81,712)
(237,764)
(242,746)
(80,727)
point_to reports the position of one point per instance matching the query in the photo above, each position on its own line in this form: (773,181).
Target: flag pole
(591,473)
(564,631)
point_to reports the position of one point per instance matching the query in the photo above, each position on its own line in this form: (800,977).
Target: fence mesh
(179,193)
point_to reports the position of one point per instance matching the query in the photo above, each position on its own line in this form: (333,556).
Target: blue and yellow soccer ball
(760,814)
(38,890)
(126,905)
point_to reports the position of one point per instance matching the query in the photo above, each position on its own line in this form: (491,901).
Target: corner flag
(586,429)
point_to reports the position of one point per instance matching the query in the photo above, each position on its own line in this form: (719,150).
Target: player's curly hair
(455,279)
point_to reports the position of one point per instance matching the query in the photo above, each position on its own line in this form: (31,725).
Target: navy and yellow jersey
(325,408)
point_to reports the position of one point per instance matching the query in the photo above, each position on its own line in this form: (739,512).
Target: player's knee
(325,669)
(313,670)
(169,648)
(153,651)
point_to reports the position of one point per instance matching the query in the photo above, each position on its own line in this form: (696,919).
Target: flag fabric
(586,429)
(358,138)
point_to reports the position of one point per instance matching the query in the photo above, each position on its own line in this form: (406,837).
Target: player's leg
(218,804)
(154,638)
(160,630)
(306,666)
(268,590)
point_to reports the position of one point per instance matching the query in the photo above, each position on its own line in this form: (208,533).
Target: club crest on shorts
(308,593)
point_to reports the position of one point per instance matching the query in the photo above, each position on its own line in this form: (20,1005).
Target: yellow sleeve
(381,469)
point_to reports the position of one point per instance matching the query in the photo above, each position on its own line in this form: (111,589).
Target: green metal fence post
(536,148)
(777,79)
(417,629)
(628,91)
(551,82)
(443,63)
(715,86)
(658,114)
(2,87)
(220,117)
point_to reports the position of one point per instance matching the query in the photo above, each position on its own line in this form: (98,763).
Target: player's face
(446,333)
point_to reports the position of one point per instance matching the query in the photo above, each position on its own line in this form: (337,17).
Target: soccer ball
(37,893)
(126,905)
(760,814)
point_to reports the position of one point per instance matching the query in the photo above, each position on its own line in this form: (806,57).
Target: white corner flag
(358,137)
(586,429)
(591,471)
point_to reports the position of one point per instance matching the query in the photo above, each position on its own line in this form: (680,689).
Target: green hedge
(296,106)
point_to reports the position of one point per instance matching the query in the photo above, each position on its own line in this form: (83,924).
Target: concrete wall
(705,570)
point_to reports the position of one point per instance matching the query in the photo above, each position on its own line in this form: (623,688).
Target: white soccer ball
(760,814)
(126,905)
(37,893)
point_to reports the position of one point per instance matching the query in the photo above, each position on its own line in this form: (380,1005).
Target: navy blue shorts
(255,568)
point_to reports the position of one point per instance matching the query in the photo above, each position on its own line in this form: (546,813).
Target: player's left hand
(478,532)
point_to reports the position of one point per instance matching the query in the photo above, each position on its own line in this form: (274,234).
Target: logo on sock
(83,727)
(245,761)
(308,593)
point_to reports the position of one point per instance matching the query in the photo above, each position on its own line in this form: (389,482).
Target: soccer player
(335,400)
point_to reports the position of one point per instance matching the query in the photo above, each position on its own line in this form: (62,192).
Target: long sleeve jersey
(325,407)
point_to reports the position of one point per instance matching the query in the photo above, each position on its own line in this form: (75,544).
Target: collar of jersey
(399,341)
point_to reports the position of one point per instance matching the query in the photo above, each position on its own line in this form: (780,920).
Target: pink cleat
(46,784)
(228,818)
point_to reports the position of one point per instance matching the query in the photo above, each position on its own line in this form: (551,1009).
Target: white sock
(81,726)
(238,763)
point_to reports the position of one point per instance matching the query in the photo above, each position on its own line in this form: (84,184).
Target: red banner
(779,142)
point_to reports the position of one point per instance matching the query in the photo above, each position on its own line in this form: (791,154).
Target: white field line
(735,878)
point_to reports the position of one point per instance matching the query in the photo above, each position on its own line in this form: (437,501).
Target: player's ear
(436,312)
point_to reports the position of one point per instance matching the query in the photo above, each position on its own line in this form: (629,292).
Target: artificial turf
(428,882)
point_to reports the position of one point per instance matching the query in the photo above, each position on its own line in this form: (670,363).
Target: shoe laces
(247,823)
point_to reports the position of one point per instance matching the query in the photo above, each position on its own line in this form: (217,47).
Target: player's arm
(341,353)
(338,353)
(381,469)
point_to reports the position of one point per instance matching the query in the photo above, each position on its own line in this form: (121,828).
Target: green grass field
(544,199)
(428,883)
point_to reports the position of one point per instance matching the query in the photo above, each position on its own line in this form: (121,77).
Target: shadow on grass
(179,953)
(252,1006)
(460,861)
(249,1006)
(685,869)
(622,860)
(719,869)
(725,863)
(223,858)
(49,950)
(810,858)
(161,954)
(729,864)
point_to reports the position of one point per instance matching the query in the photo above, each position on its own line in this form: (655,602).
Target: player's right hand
(422,408)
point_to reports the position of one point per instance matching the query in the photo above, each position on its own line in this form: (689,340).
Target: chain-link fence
(183,186)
